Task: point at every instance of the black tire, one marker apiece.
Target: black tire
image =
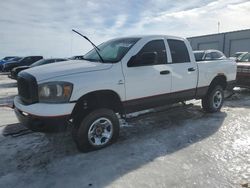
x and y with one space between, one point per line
81 134
210 103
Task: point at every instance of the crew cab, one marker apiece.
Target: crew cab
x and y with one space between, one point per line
119 76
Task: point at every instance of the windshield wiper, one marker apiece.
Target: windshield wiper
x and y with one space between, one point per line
95 47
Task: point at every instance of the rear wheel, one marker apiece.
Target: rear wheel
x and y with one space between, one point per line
97 130
214 99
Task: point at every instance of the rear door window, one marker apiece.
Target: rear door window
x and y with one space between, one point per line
179 51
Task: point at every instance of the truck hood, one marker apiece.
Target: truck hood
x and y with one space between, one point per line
49 71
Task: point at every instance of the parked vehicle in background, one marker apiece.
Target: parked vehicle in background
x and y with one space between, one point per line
14 72
77 57
238 54
208 55
24 61
122 75
243 71
8 59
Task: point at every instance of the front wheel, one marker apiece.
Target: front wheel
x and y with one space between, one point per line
97 130
214 99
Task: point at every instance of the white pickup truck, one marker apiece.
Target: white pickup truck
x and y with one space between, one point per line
120 76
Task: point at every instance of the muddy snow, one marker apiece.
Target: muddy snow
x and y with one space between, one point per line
178 146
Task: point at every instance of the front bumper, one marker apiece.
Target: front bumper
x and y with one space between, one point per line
43 117
42 124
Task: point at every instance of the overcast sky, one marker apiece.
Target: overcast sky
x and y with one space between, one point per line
43 27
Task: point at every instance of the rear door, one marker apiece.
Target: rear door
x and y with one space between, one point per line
183 69
147 79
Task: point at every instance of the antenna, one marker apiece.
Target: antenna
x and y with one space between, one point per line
95 47
218 26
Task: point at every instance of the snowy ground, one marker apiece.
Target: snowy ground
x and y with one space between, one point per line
173 147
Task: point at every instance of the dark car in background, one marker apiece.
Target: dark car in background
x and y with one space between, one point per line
77 57
8 59
22 62
209 55
243 71
238 54
14 72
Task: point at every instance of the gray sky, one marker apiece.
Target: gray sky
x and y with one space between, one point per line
44 27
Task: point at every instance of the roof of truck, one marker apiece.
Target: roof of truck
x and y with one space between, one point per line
153 36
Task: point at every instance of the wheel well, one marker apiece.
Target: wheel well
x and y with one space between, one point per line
97 99
219 80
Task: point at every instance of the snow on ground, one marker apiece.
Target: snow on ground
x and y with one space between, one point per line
169 147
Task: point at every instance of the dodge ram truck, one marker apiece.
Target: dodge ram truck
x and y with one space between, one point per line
118 77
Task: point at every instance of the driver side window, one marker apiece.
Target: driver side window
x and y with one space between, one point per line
152 53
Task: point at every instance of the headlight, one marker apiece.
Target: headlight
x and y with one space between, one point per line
55 92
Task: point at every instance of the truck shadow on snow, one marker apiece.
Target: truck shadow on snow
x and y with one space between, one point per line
142 140
240 99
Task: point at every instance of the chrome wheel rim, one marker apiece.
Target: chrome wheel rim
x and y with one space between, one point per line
100 132
217 99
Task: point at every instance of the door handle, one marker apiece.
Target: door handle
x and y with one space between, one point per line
191 69
120 82
165 72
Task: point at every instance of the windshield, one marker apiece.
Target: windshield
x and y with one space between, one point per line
112 51
244 58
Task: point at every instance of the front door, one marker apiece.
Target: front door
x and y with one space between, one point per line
147 76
